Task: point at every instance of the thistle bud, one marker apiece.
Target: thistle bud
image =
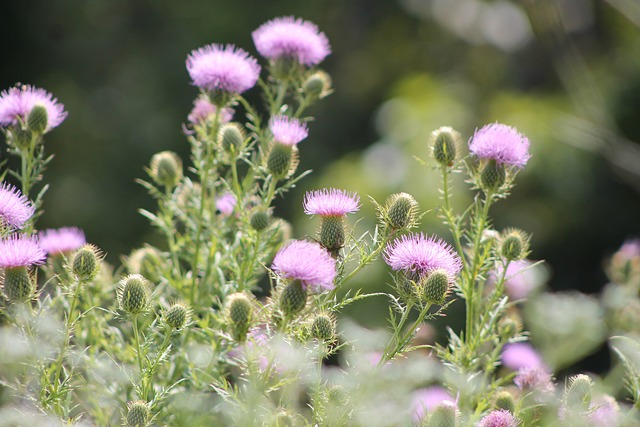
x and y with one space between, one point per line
436 286
283 419
578 394
133 294
281 160
176 316
323 328
240 313
166 168
400 211
506 401
493 176
38 119
444 415
332 233
86 263
407 289
231 135
514 245
317 85
145 261
137 414
21 138
18 284
445 145
260 220
293 299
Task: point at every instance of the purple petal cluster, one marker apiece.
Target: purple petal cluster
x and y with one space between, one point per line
501 143
287 130
20 251
288 37
204 111
426 399
61 240
501 418
521 355
222 68
307 262
604 411
15 208
418 255
330 202
534 379
226 203
18 102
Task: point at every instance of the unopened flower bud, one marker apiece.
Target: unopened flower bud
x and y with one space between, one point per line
134 294
445 145
260 220
138 414
436 286
332 233
281 160
176 316
514 245
578 394
317 85
240 312
400 211
166 168
323 328
37 120
407 289
21 138
145 261
444 415
86 263
492 177
18 284
506 401
231 135
283 419
293 299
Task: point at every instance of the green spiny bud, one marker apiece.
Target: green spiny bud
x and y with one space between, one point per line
166 168
281 161
18 284
444 415
293 299
337 395
240 311
400 211
323 327
21 138
445 145
514 245
260 220
436 286
509 327
505 400
145 261
578 394
283 419
493 176
38 119
138 414
332 233
231 135
407 289
86 262
176 316
134 294
317 85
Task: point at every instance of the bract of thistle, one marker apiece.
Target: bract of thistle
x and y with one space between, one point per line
224 68
417 255
330 202
17 102
20 251
287 130
501 143
288 37
307 262
61 240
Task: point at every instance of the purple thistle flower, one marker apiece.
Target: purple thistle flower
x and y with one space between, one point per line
534 379
330 202
226 203
222 68
426 399
501 143
61 240
418 255
520 279
287 130
501 418
18 102
307 262
20 251
288 37
204 111
604 411
15 208
521 355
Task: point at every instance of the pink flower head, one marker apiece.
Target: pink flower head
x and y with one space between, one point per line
604 411
418 255
15 208
18 102
222 68
501 418
204 111
521 355
287 130
20 251
501 143
535 379
288 37
630 249
307 262
520 279
226 203
330 202
426 399
61 240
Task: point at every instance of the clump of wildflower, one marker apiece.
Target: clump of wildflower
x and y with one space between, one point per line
17 254
287 132
226 203
166 169
534 379
17 103
133 294
204 112
61 240
427 399
224 71
501 418
86 263
446 142
521 355
307 263
15 208
400 211
332 205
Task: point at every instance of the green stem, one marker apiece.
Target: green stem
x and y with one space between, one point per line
152 368
455 229
387 354
136 337
372 256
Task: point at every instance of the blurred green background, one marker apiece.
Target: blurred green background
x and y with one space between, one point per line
564 72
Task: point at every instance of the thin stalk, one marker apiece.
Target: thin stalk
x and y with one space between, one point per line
387 354
367 260
147 387
136 337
